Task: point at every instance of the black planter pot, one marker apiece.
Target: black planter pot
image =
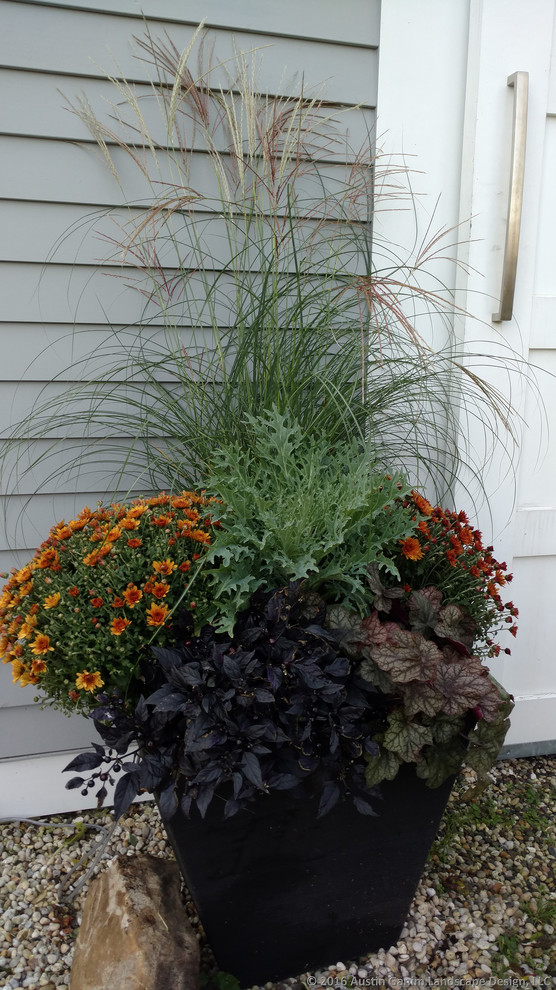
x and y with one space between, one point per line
280 892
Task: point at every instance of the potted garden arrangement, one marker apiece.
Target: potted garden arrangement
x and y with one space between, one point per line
288 646
316 683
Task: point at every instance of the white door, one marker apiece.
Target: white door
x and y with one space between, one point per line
444 98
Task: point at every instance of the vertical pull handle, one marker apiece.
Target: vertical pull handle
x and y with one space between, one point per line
520 83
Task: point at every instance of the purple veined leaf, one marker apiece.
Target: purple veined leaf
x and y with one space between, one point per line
141 713
185 804
101 796
74 782
159 694
371 747
237 779
166 658
208 775
329 797
252 770
364 807
283 781
168 801
312 679
231 807
126 790
204 797
188 675
339 667
231 668
85 761
264 696
171 703
274 677
121 744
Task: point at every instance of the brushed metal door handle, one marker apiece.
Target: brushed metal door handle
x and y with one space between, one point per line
520 83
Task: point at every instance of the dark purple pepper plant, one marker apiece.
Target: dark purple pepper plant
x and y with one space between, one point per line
306 698
278 706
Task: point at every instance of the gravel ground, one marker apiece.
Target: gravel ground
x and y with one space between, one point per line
484 913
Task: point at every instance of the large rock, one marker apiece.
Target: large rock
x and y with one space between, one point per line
135 934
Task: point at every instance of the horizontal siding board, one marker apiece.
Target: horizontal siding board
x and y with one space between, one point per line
39 170
74 42
42 353
88 294
46 468
44 109
346 23
28 521
24 729
37 232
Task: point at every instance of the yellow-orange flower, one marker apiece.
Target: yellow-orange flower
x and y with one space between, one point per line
41 644
132 595
130 523
160 589
200 536
422 504
411 548
23 575
18 668
157 614
38 666
51 601
163 566
136 511
89 681
119 625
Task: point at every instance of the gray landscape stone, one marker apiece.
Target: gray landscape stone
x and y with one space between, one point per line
135 934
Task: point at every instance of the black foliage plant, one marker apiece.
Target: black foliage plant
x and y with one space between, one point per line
278 706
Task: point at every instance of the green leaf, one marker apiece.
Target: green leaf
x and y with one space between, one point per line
461 684
410 658
382 767
439 762
377 677
455 623
421 697
406 738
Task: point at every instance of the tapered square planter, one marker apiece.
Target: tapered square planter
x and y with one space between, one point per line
280 892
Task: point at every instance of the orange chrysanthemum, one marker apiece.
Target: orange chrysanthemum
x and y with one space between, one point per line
73 592
134 542
157 614
38 666
132 595
119 625
89 681
163 566
160 589
51 601
422 504
411 548
41 644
